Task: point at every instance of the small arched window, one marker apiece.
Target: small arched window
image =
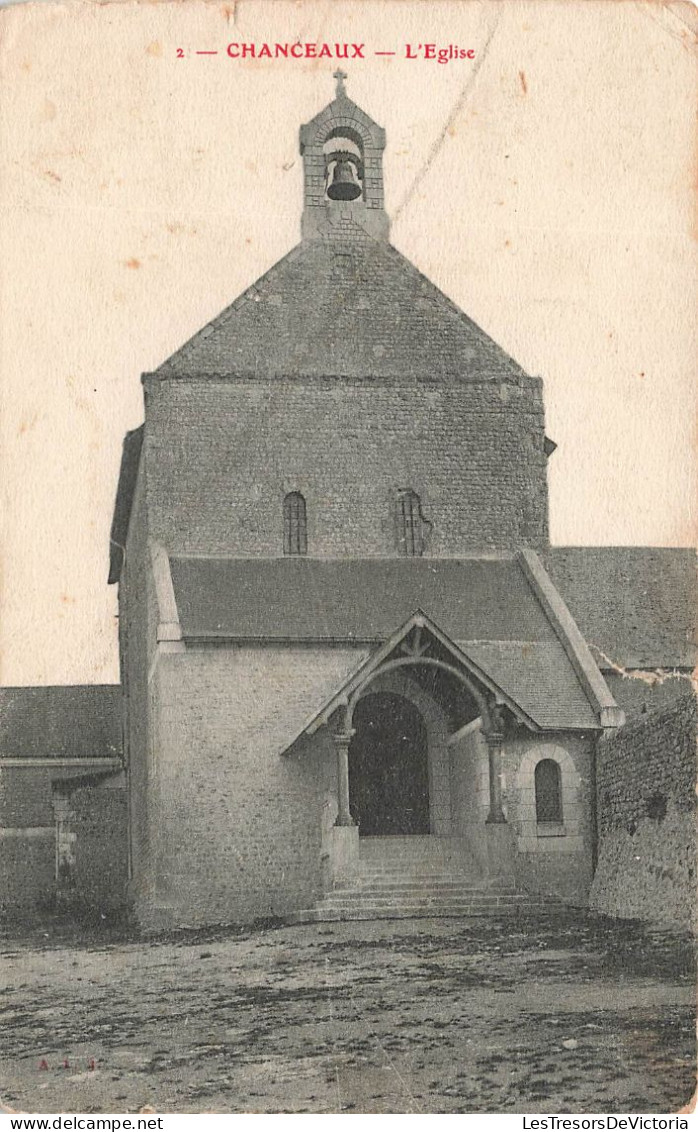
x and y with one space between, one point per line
410 524
295 524
548 783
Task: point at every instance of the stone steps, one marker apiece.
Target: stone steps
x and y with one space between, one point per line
414 896
423 902
363 892
422 875
325 912
401 894
415 877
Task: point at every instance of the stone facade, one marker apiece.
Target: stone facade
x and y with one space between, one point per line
137 644
234 829
646 817
221 456
345 377
554 858
344 380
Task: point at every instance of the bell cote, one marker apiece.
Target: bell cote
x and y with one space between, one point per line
342 151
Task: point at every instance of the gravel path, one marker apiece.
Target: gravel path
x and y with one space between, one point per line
561 1013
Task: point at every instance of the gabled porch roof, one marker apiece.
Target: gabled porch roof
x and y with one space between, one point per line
408 647
420 642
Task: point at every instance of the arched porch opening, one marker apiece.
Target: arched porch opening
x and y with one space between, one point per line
388 767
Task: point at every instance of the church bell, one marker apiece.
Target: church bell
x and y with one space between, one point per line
345 184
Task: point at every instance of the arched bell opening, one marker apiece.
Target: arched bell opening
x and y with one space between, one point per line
389 767
344 166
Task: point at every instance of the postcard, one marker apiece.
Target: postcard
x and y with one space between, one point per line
347 756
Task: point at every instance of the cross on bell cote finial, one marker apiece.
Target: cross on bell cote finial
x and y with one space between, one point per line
340 76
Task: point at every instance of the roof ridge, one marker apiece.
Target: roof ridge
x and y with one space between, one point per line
452 307
470 341
226 314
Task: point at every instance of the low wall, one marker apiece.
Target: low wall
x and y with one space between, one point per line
27 840
646 775
92 845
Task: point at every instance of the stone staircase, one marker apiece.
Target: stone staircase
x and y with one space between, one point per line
415 877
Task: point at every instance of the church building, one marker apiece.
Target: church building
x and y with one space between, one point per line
348 651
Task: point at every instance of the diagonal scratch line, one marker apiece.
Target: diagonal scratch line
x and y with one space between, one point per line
457 107
662 18
376 1037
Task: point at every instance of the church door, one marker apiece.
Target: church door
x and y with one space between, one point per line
388 769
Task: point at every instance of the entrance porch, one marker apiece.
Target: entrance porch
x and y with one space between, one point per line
418 770
412 751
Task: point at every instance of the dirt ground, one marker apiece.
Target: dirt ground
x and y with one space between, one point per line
559 1013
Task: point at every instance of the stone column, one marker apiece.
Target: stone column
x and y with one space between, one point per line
494 750
341 742
501 841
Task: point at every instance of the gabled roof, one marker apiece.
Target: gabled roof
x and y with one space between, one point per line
310 599
636 605
352 308
489 608
61 722
540 677
341 108
477 679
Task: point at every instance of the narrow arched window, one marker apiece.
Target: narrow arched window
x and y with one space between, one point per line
548 792
295 524
410 524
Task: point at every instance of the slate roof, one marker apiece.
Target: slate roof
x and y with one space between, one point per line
365 599
540 677
58 722
128 473
328 288
635 605
485 605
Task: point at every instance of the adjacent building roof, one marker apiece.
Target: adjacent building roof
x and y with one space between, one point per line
408 326
636 606
61 722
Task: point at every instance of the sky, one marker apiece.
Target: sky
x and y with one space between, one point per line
545 186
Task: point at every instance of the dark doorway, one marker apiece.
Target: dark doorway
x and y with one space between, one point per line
388 771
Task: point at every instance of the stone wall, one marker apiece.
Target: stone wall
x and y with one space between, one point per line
27 839
646 775
639 692
222 454
234 826
555 860
92 843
